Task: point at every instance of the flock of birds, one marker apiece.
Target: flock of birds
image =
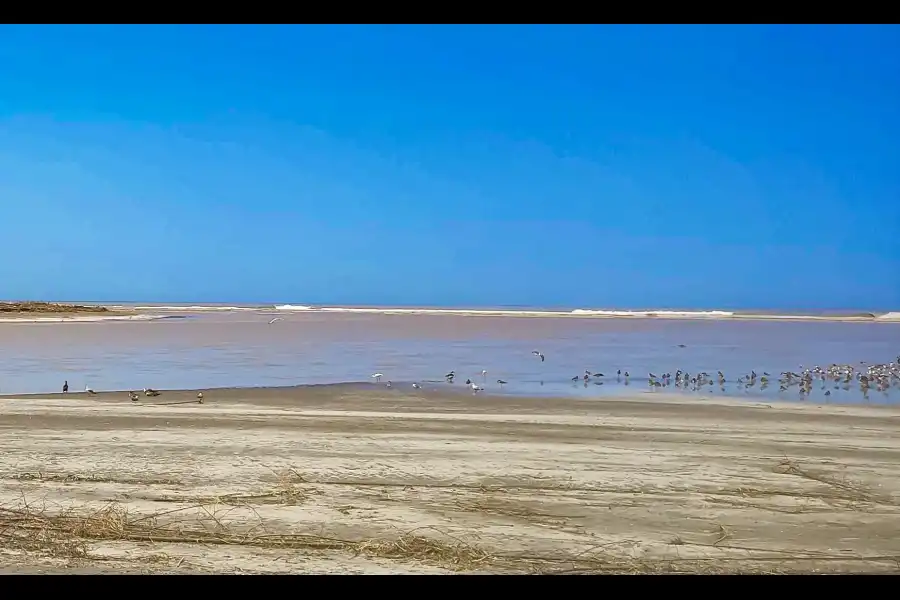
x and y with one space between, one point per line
880 377
133 396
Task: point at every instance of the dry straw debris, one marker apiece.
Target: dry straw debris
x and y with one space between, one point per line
68 533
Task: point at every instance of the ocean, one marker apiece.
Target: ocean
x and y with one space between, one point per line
199 347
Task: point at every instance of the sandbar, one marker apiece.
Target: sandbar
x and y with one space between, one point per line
368 479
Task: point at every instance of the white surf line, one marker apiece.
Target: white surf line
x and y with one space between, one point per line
582 313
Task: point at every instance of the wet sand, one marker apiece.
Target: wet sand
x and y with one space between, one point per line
365 479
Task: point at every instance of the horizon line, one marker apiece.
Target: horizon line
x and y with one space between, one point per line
483 307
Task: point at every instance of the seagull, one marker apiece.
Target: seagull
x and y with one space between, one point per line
501 382
417 386
200 397
150 392
476 388
133 396
483 374
539 354
376 376
275 319
89 391
389 384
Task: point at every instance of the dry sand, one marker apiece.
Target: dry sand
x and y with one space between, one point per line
364 479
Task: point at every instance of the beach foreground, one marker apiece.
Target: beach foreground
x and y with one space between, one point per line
365 479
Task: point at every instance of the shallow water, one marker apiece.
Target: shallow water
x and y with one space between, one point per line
240 348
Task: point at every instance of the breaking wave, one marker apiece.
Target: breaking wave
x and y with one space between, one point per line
495 312
682 314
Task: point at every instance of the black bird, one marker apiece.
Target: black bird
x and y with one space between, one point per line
66 387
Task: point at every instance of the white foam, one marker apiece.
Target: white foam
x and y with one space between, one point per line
442 311
499 312
678 314
294 307
193 308
580 312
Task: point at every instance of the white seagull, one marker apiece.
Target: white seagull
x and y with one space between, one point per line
377 376
275 319
89 390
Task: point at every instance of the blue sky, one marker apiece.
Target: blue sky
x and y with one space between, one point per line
590 166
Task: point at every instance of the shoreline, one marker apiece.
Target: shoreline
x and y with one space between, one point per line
18 311
281 395
661 314
306 395
357 478
160 313
44 312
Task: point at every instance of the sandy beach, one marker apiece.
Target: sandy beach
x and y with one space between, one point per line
365 479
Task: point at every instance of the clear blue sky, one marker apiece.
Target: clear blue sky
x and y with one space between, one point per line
592 166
